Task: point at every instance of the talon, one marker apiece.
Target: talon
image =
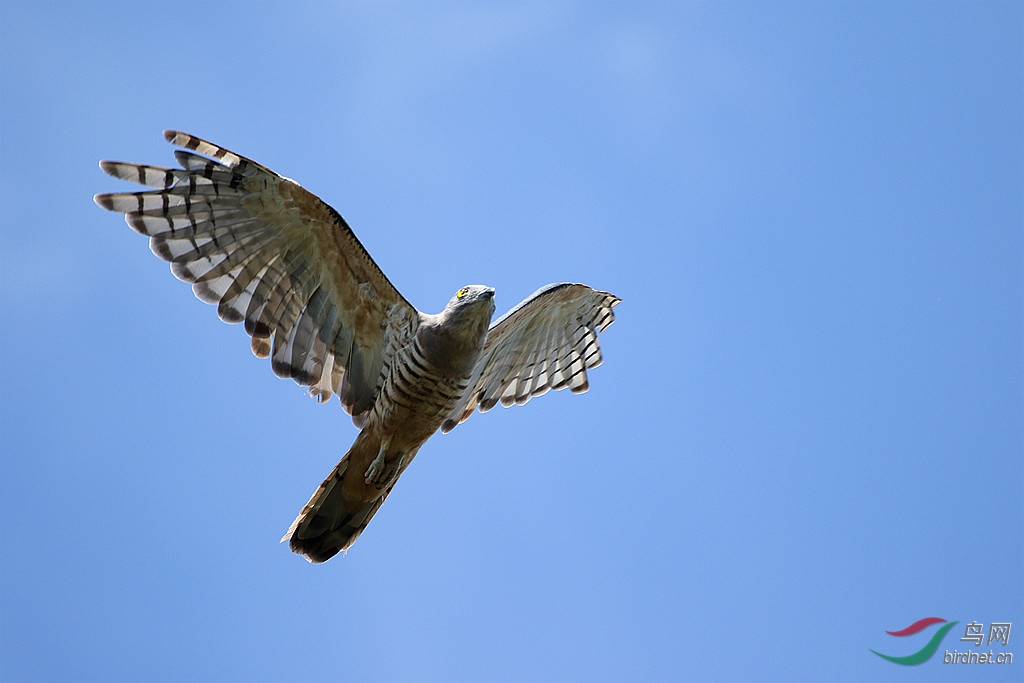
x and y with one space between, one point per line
376 467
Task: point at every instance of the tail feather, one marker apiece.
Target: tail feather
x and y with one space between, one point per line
333 518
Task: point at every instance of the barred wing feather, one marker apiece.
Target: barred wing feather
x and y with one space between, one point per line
275 257
546 342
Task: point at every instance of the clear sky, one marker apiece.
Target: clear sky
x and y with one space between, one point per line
808 429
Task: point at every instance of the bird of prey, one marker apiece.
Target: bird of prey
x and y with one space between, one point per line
276 258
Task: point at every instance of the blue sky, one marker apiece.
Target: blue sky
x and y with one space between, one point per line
808 429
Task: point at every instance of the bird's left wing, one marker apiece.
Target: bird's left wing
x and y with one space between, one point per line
546 342
272 255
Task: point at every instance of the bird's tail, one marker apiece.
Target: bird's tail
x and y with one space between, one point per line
339 509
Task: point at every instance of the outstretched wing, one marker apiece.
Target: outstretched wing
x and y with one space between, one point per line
546 342
274 256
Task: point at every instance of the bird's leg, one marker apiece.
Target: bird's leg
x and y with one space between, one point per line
377 466
391 471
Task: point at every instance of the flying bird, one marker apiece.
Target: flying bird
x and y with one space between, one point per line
275 257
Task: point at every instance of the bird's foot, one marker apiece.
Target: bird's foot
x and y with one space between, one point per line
376 467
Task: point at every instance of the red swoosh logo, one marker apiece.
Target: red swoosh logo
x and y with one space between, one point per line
918 625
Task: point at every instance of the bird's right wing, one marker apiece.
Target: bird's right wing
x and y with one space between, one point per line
546 342
274 256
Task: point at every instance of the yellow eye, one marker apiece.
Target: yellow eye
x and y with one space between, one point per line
462 292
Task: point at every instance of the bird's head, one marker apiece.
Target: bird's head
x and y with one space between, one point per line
470 310
476 297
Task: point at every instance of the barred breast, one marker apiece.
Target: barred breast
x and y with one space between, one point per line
417 395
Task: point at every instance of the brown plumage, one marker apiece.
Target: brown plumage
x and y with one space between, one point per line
275 257
424 381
